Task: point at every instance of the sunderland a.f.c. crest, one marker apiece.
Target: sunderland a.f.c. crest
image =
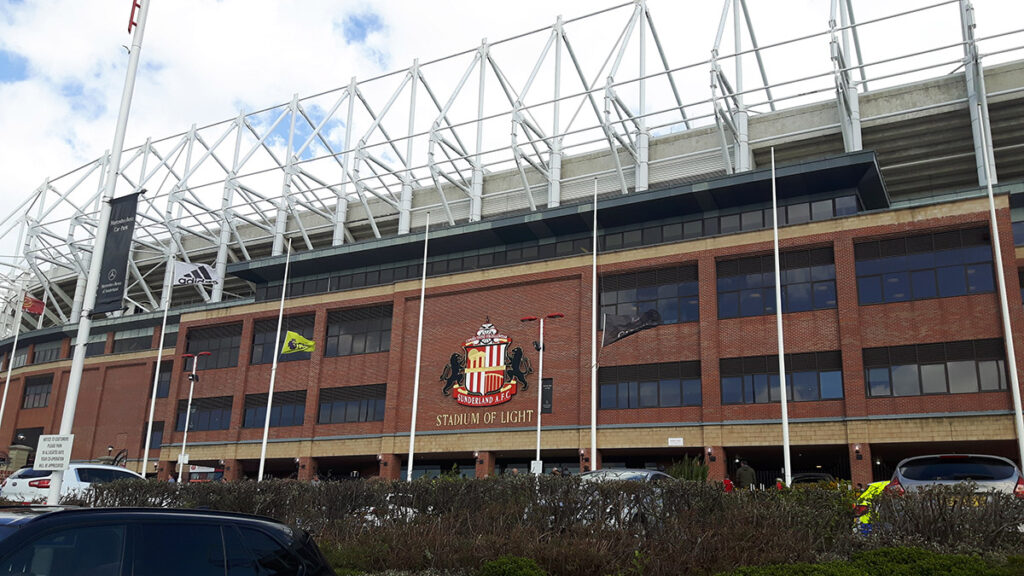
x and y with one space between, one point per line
489 373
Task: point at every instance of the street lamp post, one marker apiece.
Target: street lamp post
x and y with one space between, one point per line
540 379
192 379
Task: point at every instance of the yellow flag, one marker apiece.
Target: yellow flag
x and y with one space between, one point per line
296 343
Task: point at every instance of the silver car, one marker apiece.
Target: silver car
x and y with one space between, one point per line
989 473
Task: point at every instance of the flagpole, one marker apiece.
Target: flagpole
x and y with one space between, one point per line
14 349
593 344
419 352
96 260
778 322
168 286
273 369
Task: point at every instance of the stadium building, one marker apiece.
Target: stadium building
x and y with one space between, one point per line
892 319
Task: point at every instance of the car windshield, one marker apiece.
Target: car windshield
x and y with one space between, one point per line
957 468
100 475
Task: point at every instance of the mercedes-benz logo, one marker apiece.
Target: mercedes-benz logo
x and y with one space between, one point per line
112 275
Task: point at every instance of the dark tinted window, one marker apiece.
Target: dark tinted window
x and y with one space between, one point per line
80 550
272 557
957 468
173 549
100 475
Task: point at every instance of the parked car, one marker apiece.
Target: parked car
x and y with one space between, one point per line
811 478
625 474
989 473
53 541
31 485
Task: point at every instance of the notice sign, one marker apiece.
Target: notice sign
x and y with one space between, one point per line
675 441
54 452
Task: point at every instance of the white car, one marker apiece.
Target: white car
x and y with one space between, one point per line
30 485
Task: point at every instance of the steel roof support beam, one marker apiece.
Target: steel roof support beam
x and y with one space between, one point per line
974 73
281 228
847 96
341 195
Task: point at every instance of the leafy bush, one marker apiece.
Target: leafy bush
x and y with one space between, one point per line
891 562
569 527
689 469
511 566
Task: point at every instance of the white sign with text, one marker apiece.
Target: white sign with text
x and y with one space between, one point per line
54 452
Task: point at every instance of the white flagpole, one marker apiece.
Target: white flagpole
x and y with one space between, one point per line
14 348
778 322
593 345
273 369
169 285
419 352
1011 356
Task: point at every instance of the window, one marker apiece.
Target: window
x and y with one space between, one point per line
163 380
170 337
222 342
37 391
207 414
199 549
746 286
272 558
156 440
101 475
650 386
133 340
810 376
289 409
27 437
358 331
670 291
78 550
46 352
937 265
20 357
263 347
96 345
939 368
352 404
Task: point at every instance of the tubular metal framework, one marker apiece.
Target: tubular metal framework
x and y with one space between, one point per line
470 136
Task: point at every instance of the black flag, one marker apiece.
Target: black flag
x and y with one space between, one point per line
618 327
110 292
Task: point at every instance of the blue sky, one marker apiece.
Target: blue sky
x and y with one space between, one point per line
13 67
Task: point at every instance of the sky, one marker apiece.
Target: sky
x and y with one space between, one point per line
63 62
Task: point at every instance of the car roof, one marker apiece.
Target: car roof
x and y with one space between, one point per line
23 515
76 465
621 473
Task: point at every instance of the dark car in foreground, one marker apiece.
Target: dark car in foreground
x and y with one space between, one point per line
57 541
988 473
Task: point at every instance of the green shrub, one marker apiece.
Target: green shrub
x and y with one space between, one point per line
689 469
511 566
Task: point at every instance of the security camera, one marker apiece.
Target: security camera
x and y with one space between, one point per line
536 346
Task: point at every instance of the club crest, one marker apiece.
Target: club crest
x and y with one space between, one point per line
489 372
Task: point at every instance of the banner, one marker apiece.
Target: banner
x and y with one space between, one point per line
297 343
186 273
546 396
32 305
114 268
618 327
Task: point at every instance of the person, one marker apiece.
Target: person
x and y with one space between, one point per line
745 476
779 485
727 483
556 472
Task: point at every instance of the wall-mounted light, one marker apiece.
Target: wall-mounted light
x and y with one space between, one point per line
856 452
476 454
380 457
711 454
109 450
878 462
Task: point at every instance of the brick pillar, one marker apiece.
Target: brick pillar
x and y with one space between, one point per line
860 464
164 470
390 466
485 464
307 468
587 463
233 470
717 461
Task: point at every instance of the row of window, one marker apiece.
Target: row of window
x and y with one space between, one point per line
336 405
124 341
648 235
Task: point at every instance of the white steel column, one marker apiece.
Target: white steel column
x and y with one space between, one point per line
477 186
977 100
555 157
85 321
740 116
286 190
405 209
341 209
230 185
643 137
